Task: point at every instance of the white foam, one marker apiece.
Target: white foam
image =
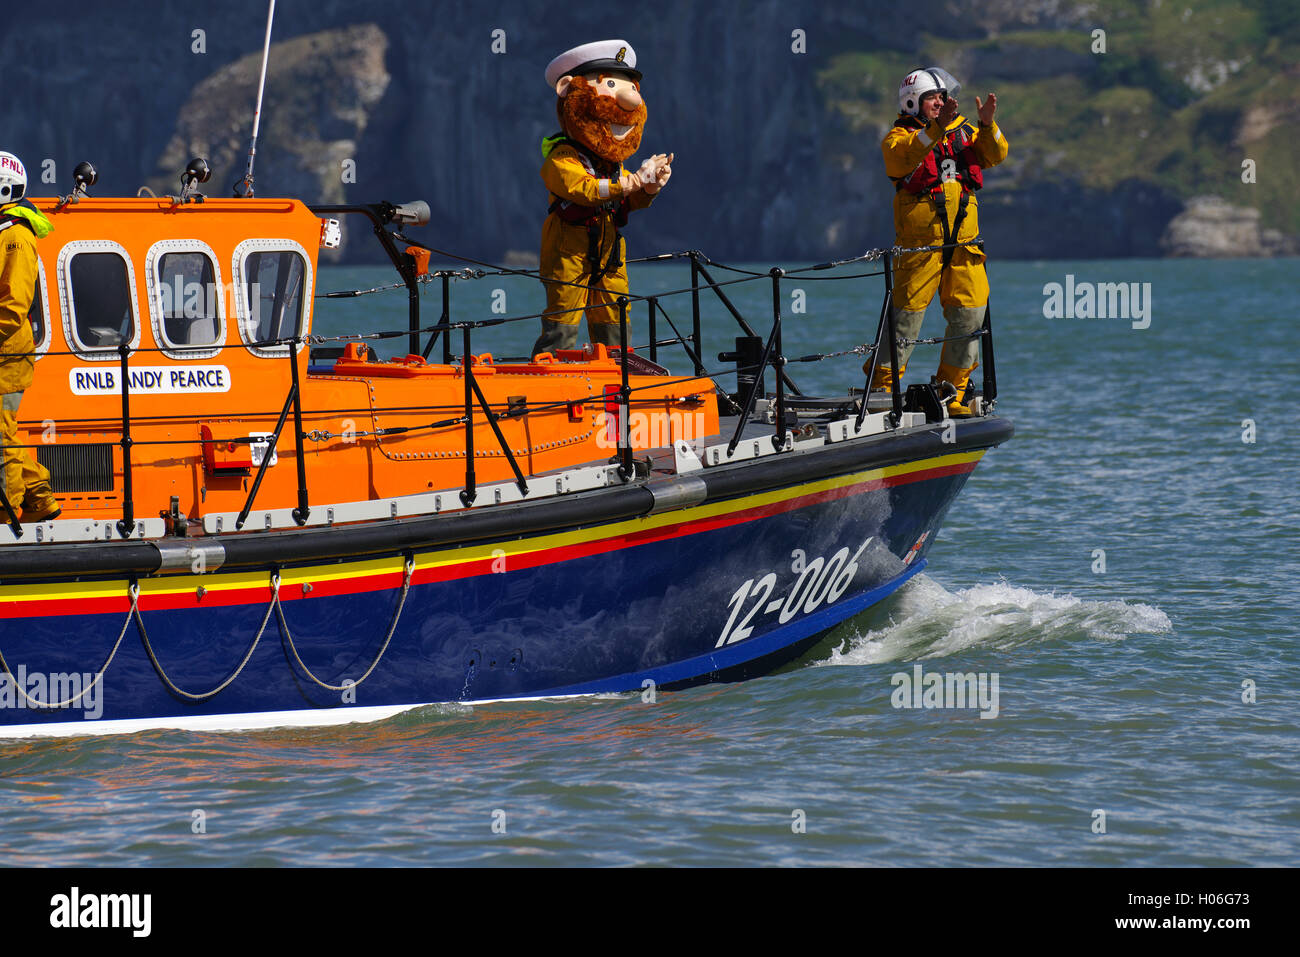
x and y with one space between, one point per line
928 621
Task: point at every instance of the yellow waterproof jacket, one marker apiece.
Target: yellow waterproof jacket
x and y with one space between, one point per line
19 274
570 177
916 220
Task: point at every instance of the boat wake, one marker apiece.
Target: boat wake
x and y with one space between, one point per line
925 620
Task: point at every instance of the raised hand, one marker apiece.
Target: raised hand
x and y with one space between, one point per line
663 170
947 111
987 108
645 173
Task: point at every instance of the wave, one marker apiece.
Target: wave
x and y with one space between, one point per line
925 620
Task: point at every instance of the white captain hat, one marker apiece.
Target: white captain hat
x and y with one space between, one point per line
610 56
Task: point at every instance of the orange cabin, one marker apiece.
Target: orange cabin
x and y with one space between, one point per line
200 292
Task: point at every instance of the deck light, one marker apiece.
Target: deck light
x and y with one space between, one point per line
83 177
195 173
412 214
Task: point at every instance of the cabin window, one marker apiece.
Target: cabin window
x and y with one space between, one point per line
38 313
186 299
98 296
273 286
273 279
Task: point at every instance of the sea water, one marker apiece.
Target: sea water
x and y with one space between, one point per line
1124 573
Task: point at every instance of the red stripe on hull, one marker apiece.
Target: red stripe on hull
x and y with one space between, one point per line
387 581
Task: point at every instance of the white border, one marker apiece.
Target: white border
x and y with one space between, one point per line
151 263
98 353
239 262
209 722
263 720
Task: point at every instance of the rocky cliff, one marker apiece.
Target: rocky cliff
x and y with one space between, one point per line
321 92
775 110
1210 226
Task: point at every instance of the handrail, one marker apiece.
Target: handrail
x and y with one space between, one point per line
888 324
773 340
266 457
470 492
695 312
986 353
444 318
715 286
14 525
625 469
127 525
778 361
303 511
896 395
492 417
382 214
653 303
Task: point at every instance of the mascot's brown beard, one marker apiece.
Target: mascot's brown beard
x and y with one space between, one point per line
585 115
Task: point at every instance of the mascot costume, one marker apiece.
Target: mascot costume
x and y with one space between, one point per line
601 116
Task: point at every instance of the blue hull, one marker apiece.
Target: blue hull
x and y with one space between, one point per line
722 593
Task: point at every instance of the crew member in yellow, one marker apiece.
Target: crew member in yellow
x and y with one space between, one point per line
26 482
602 116
936 159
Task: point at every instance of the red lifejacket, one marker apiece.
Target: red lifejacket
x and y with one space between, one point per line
954 157
588 216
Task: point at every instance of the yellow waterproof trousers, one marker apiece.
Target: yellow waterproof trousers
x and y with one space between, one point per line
27 482
566 257
917 222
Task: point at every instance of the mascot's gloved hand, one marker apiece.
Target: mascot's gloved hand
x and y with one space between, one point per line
630 182
646 174
660 169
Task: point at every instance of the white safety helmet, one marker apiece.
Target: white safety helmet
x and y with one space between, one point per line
13 179
922 81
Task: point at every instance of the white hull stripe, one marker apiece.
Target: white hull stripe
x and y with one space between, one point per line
257 721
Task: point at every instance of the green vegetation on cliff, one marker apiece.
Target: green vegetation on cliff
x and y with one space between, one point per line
1182 94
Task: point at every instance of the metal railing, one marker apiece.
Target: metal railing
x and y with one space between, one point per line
474 399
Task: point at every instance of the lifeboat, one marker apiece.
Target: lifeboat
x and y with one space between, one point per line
264 527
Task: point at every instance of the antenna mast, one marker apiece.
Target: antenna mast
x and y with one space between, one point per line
244 188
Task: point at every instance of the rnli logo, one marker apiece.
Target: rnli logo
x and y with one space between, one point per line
10 163
910 79
915 549
622 53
